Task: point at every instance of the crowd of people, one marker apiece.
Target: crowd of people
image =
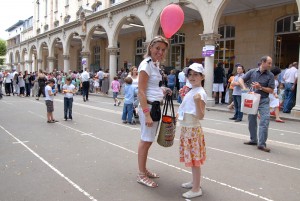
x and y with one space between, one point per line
144 88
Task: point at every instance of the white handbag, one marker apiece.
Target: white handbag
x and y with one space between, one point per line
250 102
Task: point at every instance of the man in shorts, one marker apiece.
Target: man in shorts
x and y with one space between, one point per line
218 85
49 95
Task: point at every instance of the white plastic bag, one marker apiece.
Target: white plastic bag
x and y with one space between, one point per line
250 102
227 96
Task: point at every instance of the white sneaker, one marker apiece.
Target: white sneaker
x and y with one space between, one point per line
191 194
187 185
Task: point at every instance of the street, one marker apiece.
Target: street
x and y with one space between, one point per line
94 157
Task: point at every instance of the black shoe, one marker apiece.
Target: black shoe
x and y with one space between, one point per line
71 118
250 143
233 118
237 120
262 148
84 99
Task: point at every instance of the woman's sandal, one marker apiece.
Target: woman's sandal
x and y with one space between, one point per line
143 179
151 174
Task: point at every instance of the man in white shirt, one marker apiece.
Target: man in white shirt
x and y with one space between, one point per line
290 78
100 76
85 79
8 83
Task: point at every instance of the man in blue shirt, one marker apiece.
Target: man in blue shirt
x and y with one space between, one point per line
262 82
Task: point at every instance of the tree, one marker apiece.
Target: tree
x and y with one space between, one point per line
2 50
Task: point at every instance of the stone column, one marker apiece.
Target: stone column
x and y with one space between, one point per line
40 61
85 57
209 39
113 51
296 110
22 68
51 63
29 64
66 63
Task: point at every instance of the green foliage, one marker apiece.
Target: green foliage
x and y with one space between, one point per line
2 47
1 61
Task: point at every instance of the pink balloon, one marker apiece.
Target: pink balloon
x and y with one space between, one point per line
171 19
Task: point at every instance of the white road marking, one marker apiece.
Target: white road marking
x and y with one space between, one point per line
51 166
169 165
20 142
230 122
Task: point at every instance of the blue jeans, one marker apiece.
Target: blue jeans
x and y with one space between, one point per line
181 84
289 97
237 107
68 104
264 111
127 112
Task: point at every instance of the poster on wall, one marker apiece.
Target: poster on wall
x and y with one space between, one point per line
208 51
84 62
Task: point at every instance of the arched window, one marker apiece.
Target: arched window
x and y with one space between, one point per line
225 47
286 41
177 50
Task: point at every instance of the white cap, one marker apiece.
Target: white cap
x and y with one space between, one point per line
197 68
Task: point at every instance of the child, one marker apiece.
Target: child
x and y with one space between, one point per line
21 85
115 85
129 91
68 90
274 99
49 93
192 144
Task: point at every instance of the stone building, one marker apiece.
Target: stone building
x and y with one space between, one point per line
112 34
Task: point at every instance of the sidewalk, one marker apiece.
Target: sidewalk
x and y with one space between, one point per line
219 107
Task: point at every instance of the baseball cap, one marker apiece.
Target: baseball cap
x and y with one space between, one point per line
197 68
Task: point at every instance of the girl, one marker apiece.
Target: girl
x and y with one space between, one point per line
192 144
115 85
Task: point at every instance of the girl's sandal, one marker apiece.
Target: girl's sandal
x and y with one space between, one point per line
151 174
143 179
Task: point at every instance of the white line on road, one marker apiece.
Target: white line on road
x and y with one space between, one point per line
20 142
51 166
167 164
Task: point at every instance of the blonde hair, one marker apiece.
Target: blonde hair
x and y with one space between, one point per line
156 39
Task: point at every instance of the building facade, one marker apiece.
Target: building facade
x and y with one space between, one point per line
113 34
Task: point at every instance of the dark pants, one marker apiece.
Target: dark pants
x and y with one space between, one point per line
22 89
237 100
85 89
68 104
41 89
289 95
7 88
27 88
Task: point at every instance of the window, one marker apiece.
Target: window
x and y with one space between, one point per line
286 24
38 10
56 6
139 48
46 7
66 2
224 52
112 1
97 55
177 50
97 6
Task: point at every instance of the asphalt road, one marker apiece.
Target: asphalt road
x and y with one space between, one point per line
94 157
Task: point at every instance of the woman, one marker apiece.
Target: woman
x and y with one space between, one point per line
42 83
105 82
134 76
27 78
148 93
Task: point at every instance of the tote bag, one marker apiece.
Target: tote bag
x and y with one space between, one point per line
250 102
166 132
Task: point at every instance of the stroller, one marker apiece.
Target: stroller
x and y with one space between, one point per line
135 110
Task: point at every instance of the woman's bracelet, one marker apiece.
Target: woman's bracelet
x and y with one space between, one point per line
146 110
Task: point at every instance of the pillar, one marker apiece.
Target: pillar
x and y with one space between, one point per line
296 110
51 64
22 68
85 59
40 61
66 63
29 65
209 39
113 51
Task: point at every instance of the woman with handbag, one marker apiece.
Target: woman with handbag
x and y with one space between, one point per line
192 143
150 95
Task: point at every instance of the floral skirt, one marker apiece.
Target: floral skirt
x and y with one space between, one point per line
192 146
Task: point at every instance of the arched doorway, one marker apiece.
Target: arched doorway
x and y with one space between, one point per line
286 41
